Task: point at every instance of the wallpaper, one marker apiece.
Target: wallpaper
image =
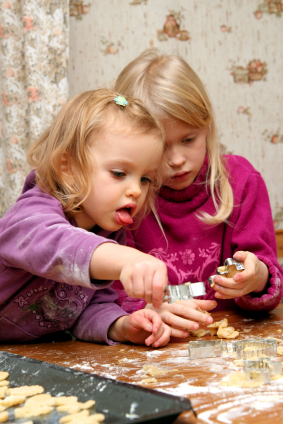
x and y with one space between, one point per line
235 46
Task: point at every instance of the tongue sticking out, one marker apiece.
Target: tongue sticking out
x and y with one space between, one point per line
123 217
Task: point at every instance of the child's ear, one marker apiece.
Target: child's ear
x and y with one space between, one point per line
66 168
64 164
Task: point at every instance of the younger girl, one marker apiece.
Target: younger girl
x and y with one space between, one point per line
96 168
211 207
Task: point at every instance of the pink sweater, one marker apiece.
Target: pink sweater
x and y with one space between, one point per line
196 249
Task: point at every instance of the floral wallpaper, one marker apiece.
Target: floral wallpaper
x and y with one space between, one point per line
234 46
34 39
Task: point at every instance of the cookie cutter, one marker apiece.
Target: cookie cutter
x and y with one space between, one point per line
185 291
229 269
253 349
207 349
262 369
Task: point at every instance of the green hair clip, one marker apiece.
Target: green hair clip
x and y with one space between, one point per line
120 100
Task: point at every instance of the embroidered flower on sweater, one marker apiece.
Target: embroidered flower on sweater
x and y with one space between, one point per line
187 256
21 301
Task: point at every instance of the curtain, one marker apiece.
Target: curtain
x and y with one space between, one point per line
34 82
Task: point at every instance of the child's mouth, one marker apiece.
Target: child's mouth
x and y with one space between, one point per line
180 176
123 216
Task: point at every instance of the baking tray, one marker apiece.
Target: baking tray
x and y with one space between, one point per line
121 403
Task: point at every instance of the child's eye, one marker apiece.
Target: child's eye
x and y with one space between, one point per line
145 180
188 140
118 174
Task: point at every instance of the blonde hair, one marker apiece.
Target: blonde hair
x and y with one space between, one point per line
169 87
67 139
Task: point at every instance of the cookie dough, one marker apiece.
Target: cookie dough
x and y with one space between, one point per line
39 403
43 399
153 370
4 383
25 391
239 379
223 331
72 408
32 411
4 416
12 401
3 391
3 375
79 416
149 380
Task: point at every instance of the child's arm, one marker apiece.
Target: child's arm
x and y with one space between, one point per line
103 321
251 237
184 316
144 326
142 275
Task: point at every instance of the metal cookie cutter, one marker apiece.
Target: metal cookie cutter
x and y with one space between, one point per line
254 348
207 349
185 291
229 269
262 369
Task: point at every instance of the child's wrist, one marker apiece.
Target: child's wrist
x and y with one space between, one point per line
264 278
117 330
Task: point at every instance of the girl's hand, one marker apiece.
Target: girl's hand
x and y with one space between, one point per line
253 279
142 275
144 326
145 277
184 316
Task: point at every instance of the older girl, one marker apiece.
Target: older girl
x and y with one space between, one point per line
211 206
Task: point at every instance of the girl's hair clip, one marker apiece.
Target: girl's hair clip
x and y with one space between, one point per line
120 100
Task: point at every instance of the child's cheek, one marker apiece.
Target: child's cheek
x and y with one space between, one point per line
165 172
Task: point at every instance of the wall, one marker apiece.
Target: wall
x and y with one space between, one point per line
234 45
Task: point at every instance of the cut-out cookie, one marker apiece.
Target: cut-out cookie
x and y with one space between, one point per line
25 391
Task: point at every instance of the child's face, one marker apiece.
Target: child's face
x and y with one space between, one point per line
185 149
125 165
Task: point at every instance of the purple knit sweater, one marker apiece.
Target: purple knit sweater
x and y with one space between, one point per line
196 249
45 284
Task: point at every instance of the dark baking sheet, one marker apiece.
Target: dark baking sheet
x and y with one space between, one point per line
114 398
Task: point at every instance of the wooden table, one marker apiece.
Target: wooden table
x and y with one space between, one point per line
198 379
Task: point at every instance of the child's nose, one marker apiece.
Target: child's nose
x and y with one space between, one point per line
134 190
175 157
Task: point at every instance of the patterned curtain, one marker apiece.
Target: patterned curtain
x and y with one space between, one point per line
34 82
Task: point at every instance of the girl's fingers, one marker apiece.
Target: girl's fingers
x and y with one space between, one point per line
155 320
153 337
241 255
140 322
176 321
138 286
181 310
158 285
164 338
206 305
148 287
229 283
180 334
225 293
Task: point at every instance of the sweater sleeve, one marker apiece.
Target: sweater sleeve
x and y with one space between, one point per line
93 324
129 304
254 232
36 236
